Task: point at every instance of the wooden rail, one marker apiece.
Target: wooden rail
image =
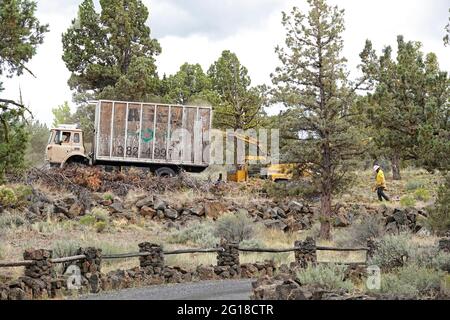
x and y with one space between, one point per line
270 250
341 249
68 259
24 263
7 264
125 255
183 251
267 250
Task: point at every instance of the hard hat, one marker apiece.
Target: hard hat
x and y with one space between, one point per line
376 167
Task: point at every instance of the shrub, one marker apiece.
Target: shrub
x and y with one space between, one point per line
111 248
100 226
414 185
98 218
23 193
439 215
428 257
422 194
393 251
108 196
423 256
49 226
252 243
201 234
441 261
235 227
65 248
100 214
88 220
326 276
7 196
412 281
407 201
370 226
11 220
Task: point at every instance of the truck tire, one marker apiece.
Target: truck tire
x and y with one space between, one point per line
75 161
165 172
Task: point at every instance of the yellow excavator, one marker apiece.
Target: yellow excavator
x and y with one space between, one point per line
274 172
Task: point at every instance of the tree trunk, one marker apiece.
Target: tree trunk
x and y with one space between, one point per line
325 199
395 161
325 212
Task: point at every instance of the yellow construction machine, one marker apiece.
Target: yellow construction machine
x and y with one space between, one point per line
274 172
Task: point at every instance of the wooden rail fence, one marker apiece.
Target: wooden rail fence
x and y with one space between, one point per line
41 279
301 249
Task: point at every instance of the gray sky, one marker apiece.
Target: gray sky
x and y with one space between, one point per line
197 31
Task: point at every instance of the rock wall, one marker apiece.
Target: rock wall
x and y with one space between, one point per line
286 216
284 286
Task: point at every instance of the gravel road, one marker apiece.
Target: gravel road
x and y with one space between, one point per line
206 290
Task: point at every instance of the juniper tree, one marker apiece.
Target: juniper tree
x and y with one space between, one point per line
447 32
20 34
35 151
312 82
111 51
240 105
190 84
409 107
61 114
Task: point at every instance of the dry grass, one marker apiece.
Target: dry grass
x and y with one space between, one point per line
124 237
361 190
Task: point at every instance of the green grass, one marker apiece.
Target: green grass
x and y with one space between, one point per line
422 194
407 201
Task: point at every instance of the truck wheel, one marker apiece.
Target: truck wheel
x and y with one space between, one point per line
165 172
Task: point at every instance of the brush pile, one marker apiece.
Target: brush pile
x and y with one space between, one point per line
79 179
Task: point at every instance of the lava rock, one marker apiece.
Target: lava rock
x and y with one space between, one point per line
147 212
171 213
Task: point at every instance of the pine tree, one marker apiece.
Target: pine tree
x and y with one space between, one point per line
312 83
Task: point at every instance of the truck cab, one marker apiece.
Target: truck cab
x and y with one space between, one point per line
65 145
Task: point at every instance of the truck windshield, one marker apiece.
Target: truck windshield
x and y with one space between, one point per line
56 137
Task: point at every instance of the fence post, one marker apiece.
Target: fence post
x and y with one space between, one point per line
91 267
154 262
444 245
229 257
305 252
41 272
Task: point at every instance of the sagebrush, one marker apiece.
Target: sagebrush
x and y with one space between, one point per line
326 276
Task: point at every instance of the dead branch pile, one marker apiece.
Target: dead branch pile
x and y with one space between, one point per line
84 180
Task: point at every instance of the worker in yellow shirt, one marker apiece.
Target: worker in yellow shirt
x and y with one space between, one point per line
380 184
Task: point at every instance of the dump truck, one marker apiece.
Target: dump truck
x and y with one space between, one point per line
161 137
